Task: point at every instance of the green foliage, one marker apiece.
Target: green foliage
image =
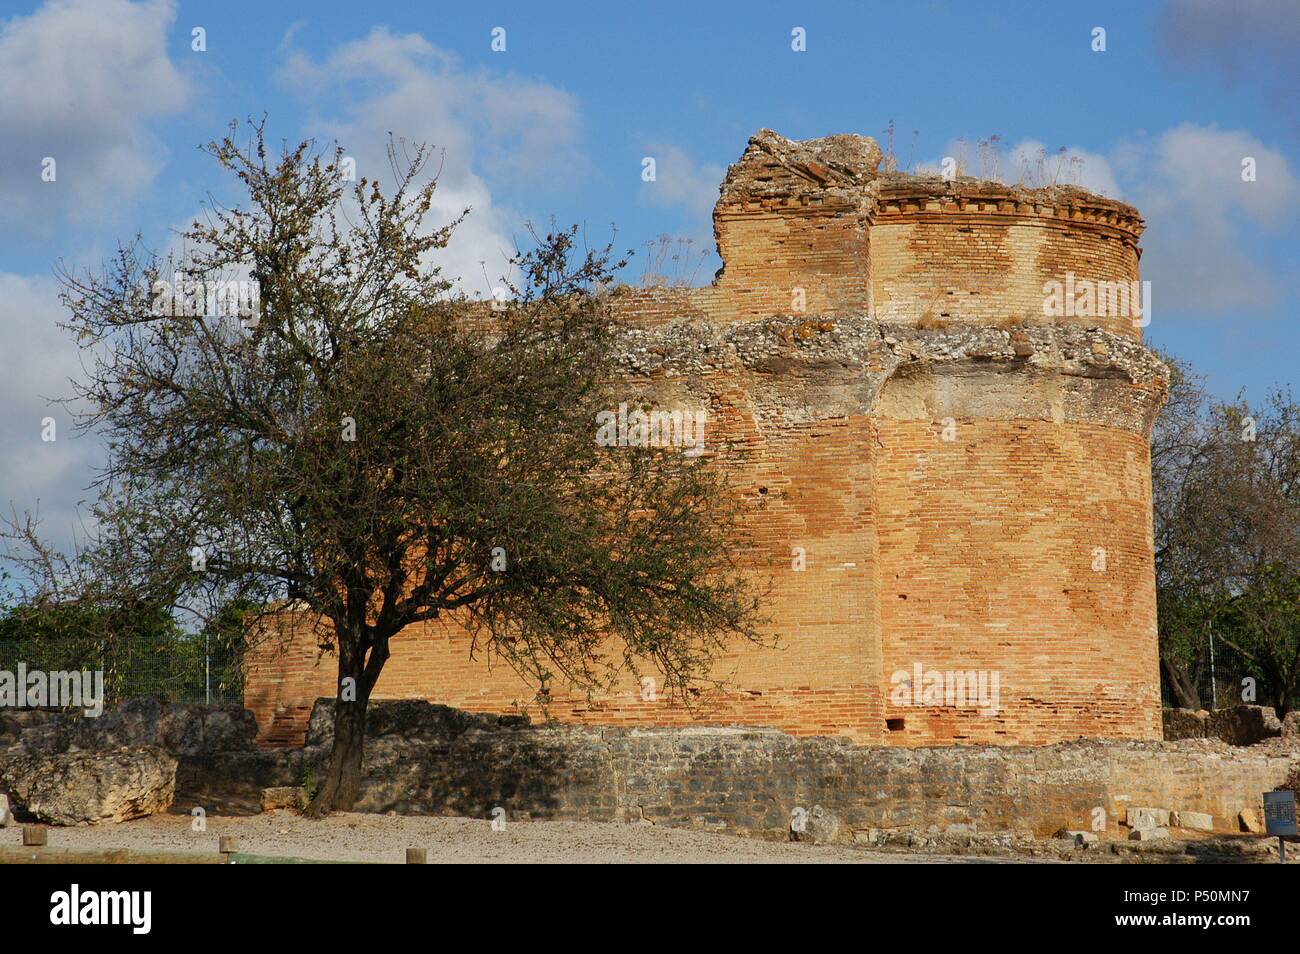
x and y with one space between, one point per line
1226 489
1260 625
142 652
310 783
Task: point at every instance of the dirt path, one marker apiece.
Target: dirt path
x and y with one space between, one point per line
356 837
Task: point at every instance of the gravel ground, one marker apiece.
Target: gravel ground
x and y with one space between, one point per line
357 837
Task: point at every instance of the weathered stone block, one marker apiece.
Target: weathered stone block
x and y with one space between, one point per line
176 728
817 827
75 788
1185 724
1291 725
1144 818
1197 820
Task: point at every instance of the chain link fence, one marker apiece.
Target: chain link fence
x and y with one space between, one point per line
174 669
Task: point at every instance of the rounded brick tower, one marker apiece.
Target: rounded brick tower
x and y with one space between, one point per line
935 395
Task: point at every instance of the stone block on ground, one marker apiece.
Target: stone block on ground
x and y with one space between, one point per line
819 827
75 788
1139 818
177 728
1199 821
1148 834
1185 724
1291 725
1251 821
231 783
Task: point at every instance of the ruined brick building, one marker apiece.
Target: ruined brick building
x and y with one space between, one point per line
954 480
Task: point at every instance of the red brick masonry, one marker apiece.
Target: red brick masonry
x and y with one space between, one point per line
965 481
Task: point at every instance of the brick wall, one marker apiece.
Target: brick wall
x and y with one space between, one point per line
970 555
812 489
989 543
976 252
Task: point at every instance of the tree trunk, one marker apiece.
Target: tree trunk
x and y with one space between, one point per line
342 782
1181 685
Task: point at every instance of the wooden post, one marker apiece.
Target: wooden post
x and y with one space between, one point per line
227 845
35 836
417 856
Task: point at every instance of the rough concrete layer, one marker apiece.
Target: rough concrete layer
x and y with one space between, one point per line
843 363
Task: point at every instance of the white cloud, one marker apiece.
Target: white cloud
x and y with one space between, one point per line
81 80
1202 166
1188 185
485 127
38 359
1031 162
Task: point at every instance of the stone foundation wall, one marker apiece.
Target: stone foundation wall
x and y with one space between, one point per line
750 781
427 759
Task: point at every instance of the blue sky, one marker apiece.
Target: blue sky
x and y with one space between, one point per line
558 123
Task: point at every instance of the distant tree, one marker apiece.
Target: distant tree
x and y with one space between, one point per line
125 642
1247 531
76 623
368 451
1177 441
1226 482
1261 625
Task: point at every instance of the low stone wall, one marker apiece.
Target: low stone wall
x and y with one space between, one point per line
1236 725
752 781
429 759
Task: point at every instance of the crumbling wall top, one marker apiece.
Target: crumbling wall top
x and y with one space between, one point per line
773 165
847 166
899 192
